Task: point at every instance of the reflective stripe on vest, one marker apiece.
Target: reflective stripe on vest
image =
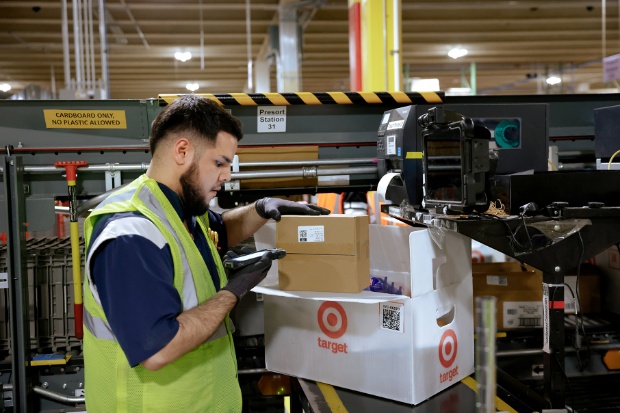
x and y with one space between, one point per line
190 299
99 327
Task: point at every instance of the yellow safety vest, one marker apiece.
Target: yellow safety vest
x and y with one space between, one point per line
203 380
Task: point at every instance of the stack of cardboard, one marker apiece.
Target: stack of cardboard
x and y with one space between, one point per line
324 253
519 292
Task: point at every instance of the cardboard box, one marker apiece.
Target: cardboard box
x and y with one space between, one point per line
589 291
518 289
608 263
324 253
589 294
273 154
398 347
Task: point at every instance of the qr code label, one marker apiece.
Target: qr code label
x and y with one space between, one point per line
392 316
314 233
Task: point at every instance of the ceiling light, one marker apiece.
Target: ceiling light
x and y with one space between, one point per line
5 87
183 56
424 85
457 52
553 80
192 87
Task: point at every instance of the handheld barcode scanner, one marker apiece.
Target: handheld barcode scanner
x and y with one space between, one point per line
247 259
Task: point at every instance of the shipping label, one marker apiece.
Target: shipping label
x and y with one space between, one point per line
522 314
546 331
497 280
392 316
311 233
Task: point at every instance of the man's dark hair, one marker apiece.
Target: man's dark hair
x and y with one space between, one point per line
200 117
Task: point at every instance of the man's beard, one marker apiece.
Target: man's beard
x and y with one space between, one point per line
193 199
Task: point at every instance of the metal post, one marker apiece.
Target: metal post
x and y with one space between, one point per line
248 33
53 81
65 44
85 49
396 45
289 66
91 46
77 41
18 283
473 78
386 76
553 337
485 353
263 81
103 42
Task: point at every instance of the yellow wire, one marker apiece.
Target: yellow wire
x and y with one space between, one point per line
555 168
612 158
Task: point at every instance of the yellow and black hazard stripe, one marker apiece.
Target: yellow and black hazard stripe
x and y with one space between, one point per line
500 404
336 405
320 98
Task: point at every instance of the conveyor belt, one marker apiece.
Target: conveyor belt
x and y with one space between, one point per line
594 394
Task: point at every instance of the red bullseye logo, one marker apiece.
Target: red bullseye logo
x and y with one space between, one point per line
332 319
448 347
477 256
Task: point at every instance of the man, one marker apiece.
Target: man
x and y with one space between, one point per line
157 334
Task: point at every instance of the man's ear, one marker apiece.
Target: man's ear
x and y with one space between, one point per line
183 151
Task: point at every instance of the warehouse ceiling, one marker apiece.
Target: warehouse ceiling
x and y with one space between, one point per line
512 45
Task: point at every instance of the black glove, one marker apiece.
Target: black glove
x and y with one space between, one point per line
276 207
243 279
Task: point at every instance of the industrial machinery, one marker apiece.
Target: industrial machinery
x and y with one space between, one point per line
457 162
520 133
550 220
336 142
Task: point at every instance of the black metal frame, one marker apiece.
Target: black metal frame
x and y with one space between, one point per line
554 260
18 285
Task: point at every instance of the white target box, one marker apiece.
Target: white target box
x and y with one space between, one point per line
404 348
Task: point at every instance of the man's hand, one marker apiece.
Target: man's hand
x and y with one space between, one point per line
276 207
242 280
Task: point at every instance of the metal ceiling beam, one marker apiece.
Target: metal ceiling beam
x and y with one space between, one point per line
270 6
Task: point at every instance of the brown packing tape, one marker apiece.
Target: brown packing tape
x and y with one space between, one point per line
334 248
